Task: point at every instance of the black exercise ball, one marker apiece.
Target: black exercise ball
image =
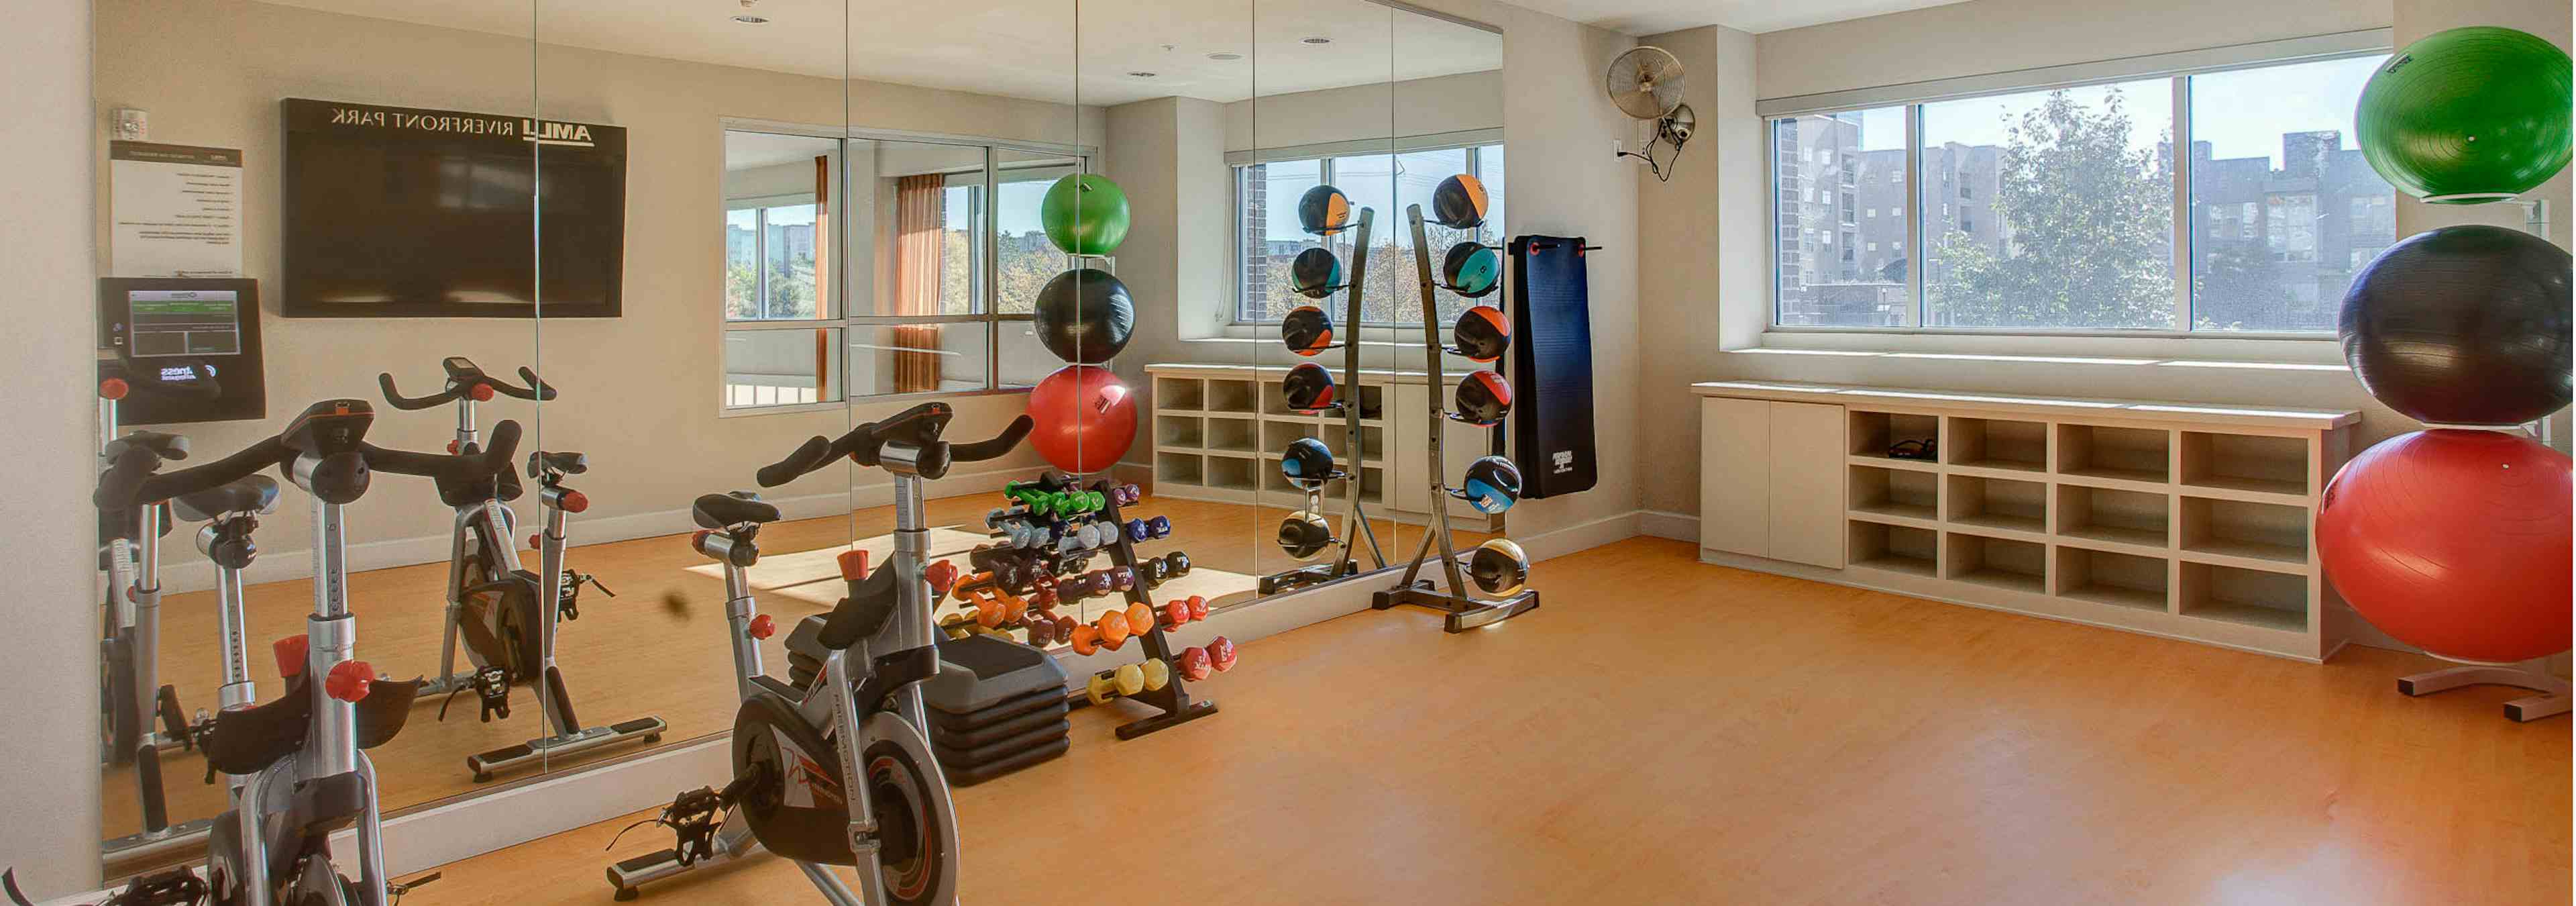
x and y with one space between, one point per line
1308 387
1315 273
1307 330
1492 484
2463 325
1498 567
1304 534
1084 316
1459 202
1324 211
1483 398
1307 463
1482 333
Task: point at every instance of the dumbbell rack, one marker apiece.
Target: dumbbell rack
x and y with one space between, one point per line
1463 612
1173 700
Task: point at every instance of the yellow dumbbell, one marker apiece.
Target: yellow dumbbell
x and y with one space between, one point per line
1128 679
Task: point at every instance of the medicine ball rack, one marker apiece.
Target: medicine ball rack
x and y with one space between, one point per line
1463 611
1354 515
1173 700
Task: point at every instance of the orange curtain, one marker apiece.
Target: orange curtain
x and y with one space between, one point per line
920 235
822 274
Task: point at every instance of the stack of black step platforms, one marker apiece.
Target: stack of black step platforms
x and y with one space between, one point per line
996 706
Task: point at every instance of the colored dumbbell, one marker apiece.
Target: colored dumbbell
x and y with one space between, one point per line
1140 619
1178 612
994 607
1126 494
1045 630
1128 679
942 576
1149 529
1221 653
1093 636
1165 568
1197 662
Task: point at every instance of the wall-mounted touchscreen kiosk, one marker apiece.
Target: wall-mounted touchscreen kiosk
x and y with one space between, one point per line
169 338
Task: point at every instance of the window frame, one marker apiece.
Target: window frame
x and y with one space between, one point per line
2176 68
984 277
1236 302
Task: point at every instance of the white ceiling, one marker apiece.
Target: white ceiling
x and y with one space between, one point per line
1647 17
1014 48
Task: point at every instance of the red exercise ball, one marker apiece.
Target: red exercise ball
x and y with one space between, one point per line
1086 418
2456 542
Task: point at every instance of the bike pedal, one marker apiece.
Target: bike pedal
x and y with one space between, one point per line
492 685
174 722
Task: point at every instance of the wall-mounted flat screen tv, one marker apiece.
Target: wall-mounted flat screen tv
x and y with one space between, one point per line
401 212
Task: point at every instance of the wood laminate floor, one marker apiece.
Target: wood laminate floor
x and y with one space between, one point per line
1663 731
659 648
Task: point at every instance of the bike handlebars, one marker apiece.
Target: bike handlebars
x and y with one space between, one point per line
917 428
464 379
130 480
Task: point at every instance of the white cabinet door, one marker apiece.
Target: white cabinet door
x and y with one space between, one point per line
1735 475
1807 474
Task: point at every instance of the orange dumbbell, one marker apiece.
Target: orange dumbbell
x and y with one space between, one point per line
1140 619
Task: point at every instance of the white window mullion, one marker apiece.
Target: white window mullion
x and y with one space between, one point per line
2182 214
1914 215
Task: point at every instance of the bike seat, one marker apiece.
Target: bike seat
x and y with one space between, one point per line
166 446
715 511
566 463
870 604
254 494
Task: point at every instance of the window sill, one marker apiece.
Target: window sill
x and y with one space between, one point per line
2299 352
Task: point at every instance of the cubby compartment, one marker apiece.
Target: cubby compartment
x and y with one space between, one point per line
2122 517
1990 443
2248 597
2120 580
2245 462
1187 431
1373 483
1372 399
1895 548
2127 454
1234 474
2253 531
1895 492
1997 562
1179 469
1233 395
1276 436
1179 394
1234 435
1998 503
1874 433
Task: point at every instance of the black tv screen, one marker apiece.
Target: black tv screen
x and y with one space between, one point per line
406 212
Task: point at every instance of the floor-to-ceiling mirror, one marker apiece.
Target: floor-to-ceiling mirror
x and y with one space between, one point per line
283 221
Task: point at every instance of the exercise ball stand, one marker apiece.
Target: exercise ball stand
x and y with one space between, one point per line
2551 702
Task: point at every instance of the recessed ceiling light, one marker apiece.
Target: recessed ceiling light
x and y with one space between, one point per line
1225 56
748 19
1141 74
1318 39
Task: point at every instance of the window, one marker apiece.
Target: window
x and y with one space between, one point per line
2065 206
925 286
1269 238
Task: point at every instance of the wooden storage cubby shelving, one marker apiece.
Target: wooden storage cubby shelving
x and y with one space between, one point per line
2109 516
1993 443
1218 432
1895 548
1998 503
1896 493
2178 519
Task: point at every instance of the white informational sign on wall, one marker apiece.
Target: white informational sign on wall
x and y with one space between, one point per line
177 210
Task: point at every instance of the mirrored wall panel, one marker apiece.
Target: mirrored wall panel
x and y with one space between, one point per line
317 226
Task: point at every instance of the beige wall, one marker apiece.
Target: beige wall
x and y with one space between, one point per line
46 549
640 392
1451 103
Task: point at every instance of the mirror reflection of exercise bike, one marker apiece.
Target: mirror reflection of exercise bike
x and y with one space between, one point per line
300 770
498 612
836 771
139 717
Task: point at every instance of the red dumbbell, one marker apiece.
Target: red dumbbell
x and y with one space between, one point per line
1221 653
1192 663
1042 632
1174 614
1198 607
942 576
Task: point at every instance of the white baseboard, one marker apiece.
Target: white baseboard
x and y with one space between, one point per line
193 573
1668 524
1581 536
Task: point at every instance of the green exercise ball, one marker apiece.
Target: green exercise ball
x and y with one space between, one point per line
1084 214
2468 116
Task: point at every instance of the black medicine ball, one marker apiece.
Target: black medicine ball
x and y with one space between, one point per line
1307 463
1308 387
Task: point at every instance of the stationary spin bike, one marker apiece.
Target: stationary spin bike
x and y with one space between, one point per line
501 615
303 772
140 718
837 772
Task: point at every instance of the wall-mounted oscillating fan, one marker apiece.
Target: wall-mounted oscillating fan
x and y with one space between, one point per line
1646 83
